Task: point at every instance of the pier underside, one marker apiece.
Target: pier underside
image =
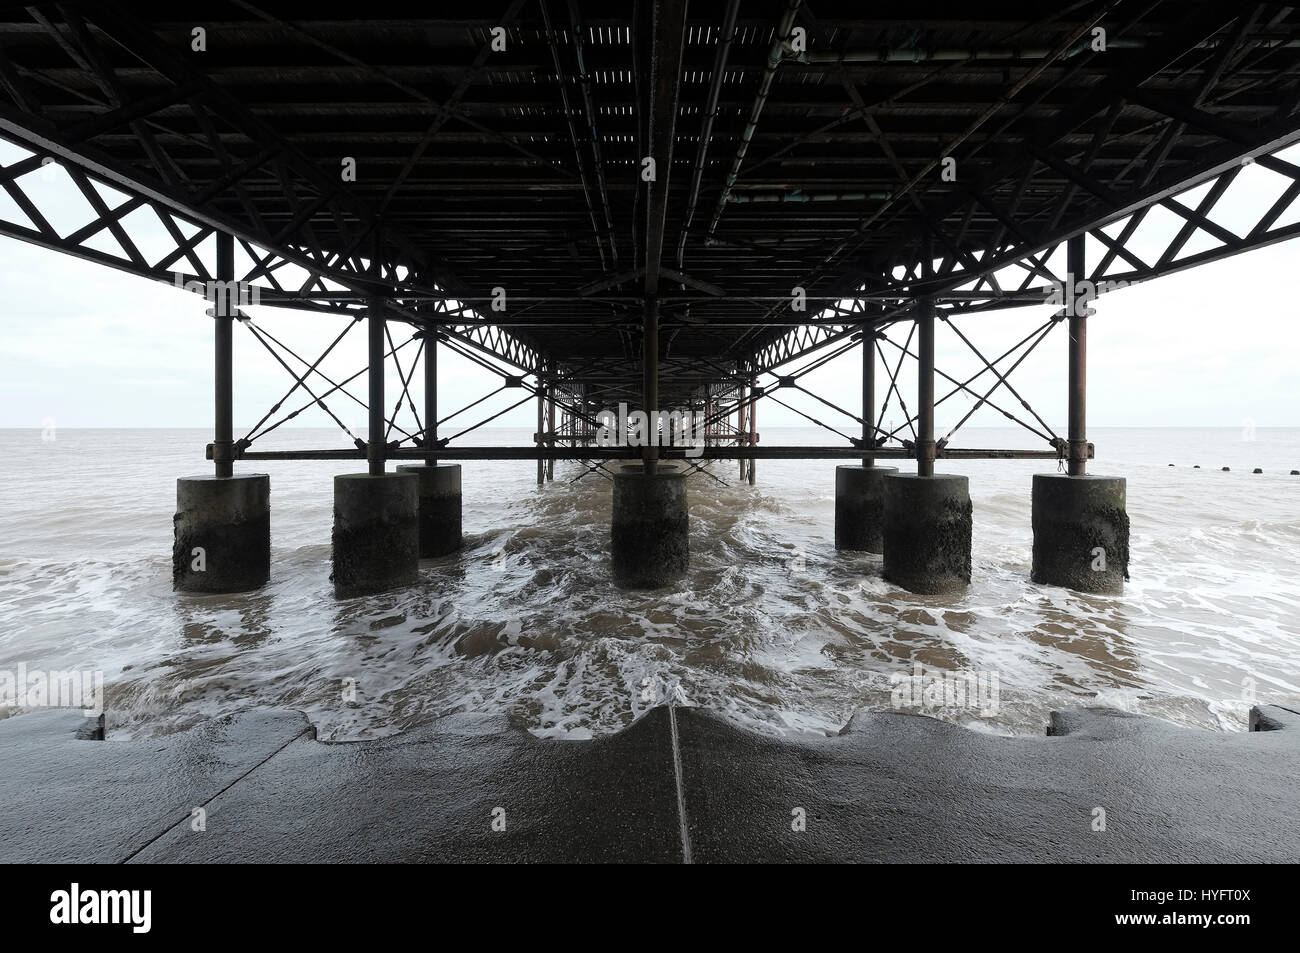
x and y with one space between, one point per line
681 208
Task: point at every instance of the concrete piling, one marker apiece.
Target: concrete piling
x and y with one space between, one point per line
1080 521
927 532
376 532
222 527
222 533
860 508
1081 532
438 489
927 516
650 526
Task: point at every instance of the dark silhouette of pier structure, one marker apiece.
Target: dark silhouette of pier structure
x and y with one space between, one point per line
678 206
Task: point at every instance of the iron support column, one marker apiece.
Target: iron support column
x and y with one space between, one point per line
550 424
708 414
222 527
740 428
225 302
868 395
375 449
925 447
650 382
538 438
1078 318
431 393
753 426
437 484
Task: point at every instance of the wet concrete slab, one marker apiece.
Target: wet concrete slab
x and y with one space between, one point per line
679 784
65 800
901 788
465 789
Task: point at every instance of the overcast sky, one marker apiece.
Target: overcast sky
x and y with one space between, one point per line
87 346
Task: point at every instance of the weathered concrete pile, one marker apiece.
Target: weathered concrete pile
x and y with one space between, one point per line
922 526
679 784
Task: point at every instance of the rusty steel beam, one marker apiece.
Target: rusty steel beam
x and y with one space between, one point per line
741 452
223 321
925 445
1078 374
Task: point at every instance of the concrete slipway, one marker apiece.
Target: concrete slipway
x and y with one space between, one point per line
679 784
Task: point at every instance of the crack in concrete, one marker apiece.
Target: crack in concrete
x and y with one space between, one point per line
308 730
681 793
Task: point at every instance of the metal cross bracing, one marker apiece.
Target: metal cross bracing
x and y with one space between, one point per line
901 169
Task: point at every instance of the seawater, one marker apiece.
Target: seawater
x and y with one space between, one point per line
772 627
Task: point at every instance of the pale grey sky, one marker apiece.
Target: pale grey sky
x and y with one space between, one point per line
87 346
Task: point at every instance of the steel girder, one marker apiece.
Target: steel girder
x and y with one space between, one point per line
1028 189
184 204
1036 194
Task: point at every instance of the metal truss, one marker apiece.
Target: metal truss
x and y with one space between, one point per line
151 141
1066 180
361 258
965 283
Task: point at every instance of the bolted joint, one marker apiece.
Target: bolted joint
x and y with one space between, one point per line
926 450
513 381
1077 465
221 451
